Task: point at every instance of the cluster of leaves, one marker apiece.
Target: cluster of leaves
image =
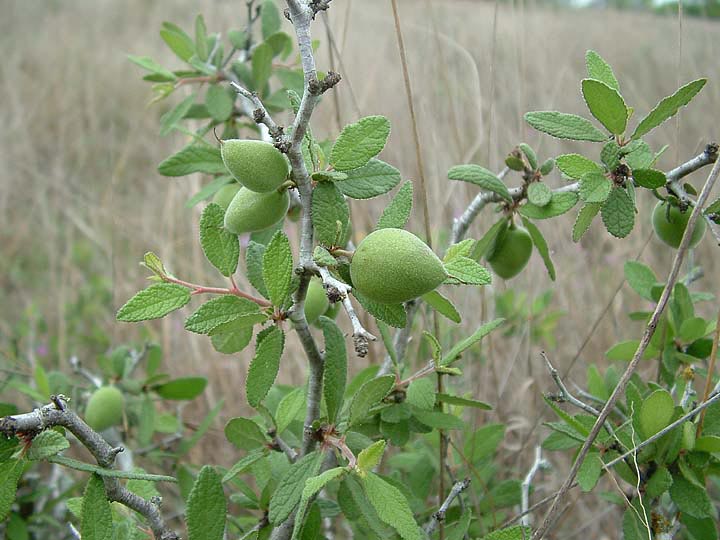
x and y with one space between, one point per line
671 472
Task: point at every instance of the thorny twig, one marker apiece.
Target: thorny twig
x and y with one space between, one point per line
439 516
539 464
57 413
552 513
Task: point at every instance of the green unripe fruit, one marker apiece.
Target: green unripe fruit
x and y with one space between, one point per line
250 211
224 196
391 266
670 226
512 252
105 408
316 301
257 165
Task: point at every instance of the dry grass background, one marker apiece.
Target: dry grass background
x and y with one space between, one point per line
79 149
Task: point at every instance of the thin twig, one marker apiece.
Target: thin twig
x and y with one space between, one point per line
539 464
552 513
439 516
57 413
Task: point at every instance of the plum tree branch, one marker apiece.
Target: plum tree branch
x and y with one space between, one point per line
439 516
552 513
539 464
57 413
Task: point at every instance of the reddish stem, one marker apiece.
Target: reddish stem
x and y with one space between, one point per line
200 289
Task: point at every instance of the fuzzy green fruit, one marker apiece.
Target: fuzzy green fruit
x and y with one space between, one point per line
224 196
671 230
316 301
512 252
257 165
393 266
105 408
250 211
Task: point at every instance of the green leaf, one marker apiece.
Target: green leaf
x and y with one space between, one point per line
392 314
488 240
213 315
290 488
10 472
391 506
201 44
576 165
656 412
618 213
206 507
46 444
610 155
480 176
640 155
243 464
516 532
154 302
149 64
668 107
370 180
254 262
584 220
547 166
184 388
659 483
589 472
330 213
541 245
370 457
178 41
539 194
530 155
464 402
170 119
323 258
290 407
707 443
265 365
565 126
625 350
233 340
693 329
649 178
369 394
606 104
219 103
221 247
421 394
691 499
187 444
460 347
560 203
335 373
599 69
278 268
640 278
270 21
359 142
96 523
442 305
192 159
208 190
595 187
261 61
397 213
109 473
467 271
313 486
245 434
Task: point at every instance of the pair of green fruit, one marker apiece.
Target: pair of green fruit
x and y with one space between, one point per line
257 202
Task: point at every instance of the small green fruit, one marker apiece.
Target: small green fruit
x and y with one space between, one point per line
105 408
670 226
512 252
250 211
316 301
392 266
225 195
257 165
